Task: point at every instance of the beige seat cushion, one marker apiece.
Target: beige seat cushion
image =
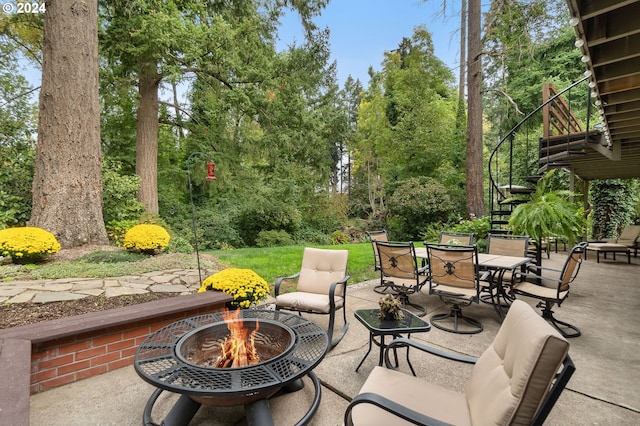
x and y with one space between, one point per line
512 376
308 301
412 392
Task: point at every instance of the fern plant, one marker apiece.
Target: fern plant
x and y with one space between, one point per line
547 213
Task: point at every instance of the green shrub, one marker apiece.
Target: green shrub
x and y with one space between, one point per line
273 238
27 244
306 235
416 203
116 230
264 215
119 201
339 237
179 244
146 238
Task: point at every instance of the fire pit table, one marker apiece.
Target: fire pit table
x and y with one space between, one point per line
177 358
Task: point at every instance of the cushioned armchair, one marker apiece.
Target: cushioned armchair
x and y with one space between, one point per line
630 237
551 287
321 288
516 381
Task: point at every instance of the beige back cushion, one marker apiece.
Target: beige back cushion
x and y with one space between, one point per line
630 232
320 268
510 379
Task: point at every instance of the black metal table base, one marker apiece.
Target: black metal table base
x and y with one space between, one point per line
258 412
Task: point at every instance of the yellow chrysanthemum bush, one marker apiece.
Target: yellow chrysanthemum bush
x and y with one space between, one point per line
27 244
244 285
146 238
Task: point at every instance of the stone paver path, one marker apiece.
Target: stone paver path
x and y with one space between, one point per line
183 281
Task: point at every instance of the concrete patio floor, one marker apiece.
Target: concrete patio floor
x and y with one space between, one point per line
605 390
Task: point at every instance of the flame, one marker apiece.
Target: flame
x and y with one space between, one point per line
238 350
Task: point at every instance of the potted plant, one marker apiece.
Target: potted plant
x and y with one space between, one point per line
547 213
390 308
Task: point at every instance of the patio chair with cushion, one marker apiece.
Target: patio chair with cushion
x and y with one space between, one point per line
630 237
321 288
399 270
551 287
454 277
516 381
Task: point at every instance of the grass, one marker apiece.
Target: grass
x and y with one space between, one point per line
273 262
269 263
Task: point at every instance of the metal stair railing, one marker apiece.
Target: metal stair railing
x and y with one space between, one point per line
499 191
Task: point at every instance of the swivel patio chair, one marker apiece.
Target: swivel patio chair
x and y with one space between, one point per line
321 288
456 238
454 278
400 272
503 245
551 287
374 237
516 381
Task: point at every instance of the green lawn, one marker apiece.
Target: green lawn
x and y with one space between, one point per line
273 262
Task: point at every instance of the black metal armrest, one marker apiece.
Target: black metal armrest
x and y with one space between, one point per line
525 275
332 288
276 286
392 407
403 342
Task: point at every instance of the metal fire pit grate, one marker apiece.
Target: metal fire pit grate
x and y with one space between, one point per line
157 362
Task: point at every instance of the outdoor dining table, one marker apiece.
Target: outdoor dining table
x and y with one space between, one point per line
498 265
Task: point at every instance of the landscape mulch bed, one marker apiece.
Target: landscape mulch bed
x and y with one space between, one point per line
18 314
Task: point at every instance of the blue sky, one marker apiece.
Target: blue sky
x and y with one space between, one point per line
362 30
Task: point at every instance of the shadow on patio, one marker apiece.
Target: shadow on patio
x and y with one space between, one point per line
603 303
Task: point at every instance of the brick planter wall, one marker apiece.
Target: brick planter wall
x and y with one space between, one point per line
66 350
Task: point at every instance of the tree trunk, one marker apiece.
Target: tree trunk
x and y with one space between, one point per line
475 185
147 135
67 185
463 50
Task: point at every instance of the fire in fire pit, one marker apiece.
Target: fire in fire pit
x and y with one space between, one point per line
235 343
185 358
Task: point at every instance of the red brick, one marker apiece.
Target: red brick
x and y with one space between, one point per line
58 381
136 333
129 352
107 339
70 368
91 353
74 347
105 359
54 362
40 354
90 372
123 344
44 375
122 362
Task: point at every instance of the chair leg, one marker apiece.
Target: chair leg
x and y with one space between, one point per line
456 314
561 326
333 342
404 299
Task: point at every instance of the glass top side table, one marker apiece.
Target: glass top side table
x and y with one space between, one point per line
396 328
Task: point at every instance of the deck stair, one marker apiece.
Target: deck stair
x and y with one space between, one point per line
564 137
